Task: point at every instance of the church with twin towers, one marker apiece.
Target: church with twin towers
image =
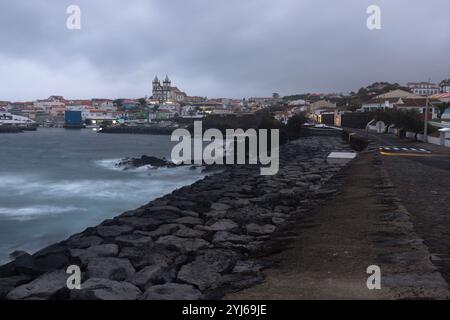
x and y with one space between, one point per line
164 91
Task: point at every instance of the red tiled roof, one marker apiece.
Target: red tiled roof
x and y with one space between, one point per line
129 101
80 102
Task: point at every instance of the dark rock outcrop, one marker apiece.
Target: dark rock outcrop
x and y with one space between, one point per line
129 163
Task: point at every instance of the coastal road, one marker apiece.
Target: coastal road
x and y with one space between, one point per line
421 173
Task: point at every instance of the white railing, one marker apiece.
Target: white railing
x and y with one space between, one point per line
432 140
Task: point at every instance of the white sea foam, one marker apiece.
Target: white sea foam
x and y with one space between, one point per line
34 212
58 191
110 164
143 183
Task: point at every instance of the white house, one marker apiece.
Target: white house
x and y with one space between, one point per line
445 86
190 112
103 104
387 100
48 105
423 88
400 100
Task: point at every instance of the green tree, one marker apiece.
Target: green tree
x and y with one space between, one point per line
295 124
442 107
363 94
118 103
408 120
142 102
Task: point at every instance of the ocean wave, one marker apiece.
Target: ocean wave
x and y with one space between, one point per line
34 212
141 185
110 164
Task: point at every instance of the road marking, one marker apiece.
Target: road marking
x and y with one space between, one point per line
409 154
404 149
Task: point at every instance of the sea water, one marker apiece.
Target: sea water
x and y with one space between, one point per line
56 182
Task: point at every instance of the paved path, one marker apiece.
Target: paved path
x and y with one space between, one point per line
423 183
332 247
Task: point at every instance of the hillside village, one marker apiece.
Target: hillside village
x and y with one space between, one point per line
168 104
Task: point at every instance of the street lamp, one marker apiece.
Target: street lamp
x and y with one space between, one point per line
425 128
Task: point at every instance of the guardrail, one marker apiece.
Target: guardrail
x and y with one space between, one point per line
441 141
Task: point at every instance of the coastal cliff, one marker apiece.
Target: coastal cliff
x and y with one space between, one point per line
199 242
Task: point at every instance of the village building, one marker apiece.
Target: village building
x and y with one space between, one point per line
104 104
195 99
166 92
445 86
317 109
129 104
441 97
49 104
423 88
401 100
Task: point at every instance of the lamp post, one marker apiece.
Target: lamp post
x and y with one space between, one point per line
425 129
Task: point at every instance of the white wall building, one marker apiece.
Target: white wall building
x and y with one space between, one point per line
103 104
423 88
47 105
400 100
445 86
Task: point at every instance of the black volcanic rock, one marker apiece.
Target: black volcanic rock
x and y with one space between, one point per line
129 163
104 289
172 291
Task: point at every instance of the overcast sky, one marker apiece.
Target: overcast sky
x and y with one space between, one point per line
217 48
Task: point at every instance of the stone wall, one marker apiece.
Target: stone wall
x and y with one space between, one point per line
356 120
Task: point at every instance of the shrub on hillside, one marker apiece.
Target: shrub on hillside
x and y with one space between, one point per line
295 125
409 120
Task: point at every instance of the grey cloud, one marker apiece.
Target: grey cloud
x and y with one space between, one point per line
217 48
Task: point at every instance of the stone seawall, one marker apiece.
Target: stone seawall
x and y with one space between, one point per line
138 130
199 242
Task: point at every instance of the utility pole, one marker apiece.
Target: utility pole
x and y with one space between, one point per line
425 129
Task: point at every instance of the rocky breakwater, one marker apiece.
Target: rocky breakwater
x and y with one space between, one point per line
155 130
199 242
150 161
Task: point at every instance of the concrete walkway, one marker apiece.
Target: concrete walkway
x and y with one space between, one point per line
331 248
